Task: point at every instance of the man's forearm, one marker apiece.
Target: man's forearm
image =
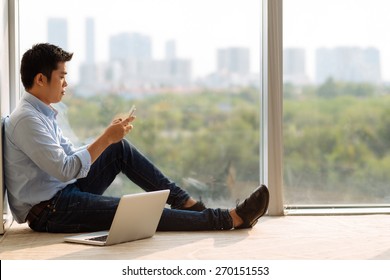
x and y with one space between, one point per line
98 146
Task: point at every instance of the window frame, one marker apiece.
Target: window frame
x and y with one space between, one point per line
11 94
14 51
273 83
271 154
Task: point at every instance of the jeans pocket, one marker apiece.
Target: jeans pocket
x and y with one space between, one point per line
54 201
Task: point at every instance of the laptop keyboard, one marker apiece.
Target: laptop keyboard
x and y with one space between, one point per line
99 238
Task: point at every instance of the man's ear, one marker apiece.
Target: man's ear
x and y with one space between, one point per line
40 79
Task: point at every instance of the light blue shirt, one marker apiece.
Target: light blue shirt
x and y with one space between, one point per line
39 161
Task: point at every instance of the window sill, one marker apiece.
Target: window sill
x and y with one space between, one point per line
336 210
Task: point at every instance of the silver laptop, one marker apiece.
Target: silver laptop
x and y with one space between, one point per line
136 217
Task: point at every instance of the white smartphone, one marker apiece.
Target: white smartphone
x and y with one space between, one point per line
132 111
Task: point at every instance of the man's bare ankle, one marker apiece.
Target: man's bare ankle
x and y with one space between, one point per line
237 221
190 202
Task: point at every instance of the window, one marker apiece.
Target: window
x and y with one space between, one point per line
197 72
3 89
4 67
336 103
8 26
190 67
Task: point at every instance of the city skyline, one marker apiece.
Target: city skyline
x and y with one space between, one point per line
134 50
132 68
192 25
201 27
337 23
348 64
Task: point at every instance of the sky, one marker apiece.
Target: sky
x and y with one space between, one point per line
333 23
200 27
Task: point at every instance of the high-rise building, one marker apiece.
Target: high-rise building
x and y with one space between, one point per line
170 50
130 46
351 64
90 41
138 69
88 69
57 32
294 66
178 70
233 61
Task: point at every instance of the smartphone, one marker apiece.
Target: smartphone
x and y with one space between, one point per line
132 110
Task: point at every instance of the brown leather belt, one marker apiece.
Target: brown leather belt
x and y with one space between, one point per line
36 210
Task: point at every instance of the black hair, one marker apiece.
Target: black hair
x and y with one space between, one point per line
41 58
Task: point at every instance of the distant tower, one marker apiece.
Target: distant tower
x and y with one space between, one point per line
294 66
130 46
57 32
233 60
90 40
88 69
170 50
351 64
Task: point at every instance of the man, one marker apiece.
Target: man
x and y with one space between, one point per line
56 187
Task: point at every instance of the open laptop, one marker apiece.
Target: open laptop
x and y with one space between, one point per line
136 217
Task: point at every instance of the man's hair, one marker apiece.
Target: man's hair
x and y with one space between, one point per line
41 58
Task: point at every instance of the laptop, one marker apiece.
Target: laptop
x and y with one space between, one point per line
136 217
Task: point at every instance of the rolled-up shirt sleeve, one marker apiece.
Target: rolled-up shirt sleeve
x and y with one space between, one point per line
85 160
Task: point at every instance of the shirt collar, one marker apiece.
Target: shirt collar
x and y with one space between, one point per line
48 111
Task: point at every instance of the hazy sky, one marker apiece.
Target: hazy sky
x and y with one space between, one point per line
199 27
331 23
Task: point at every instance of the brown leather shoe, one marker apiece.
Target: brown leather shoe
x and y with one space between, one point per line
252 208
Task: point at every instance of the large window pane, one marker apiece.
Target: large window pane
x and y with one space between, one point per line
191 68
336 102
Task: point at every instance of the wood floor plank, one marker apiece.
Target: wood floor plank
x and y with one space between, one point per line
273 238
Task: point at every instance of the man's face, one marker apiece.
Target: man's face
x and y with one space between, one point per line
55 89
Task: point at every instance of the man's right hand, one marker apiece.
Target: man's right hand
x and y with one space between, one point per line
114 133
118 129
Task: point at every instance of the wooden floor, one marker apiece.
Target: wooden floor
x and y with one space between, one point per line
362 237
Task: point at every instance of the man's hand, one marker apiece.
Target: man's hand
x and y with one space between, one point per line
118 129
114 133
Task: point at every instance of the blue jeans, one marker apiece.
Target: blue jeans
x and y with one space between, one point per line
82 207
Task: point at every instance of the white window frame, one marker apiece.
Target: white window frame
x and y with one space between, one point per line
272 124
14 62
271 154
11 93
